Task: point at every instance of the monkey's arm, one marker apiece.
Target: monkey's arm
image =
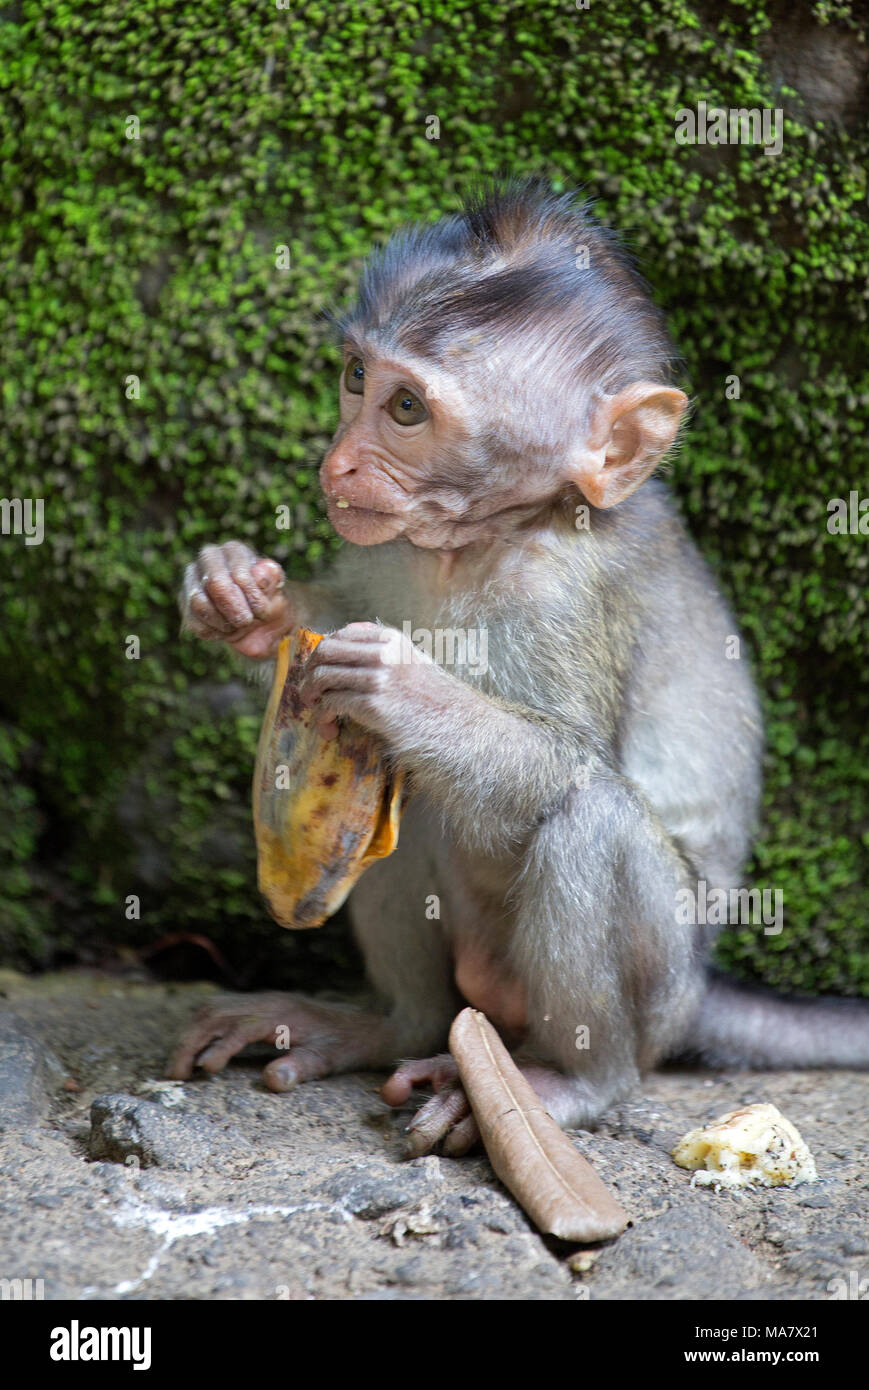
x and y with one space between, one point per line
496 767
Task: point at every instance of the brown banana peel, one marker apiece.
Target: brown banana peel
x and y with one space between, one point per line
323 809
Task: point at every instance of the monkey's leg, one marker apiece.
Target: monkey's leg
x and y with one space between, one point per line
609 972
612 971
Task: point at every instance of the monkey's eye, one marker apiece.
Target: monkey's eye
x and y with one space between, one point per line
406 408
354 376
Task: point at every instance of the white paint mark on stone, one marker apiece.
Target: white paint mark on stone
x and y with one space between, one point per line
170 1227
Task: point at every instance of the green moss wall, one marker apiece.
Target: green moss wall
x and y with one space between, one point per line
155 258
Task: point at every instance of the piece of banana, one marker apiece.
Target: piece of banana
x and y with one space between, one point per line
752 1147
323 809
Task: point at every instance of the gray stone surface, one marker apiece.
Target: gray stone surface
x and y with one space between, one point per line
125 1129
114 1184
28 1074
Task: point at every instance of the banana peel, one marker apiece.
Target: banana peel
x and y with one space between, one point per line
323 809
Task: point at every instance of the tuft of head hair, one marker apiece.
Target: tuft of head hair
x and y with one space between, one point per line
521 269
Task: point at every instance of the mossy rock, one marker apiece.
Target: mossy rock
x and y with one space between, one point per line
166 383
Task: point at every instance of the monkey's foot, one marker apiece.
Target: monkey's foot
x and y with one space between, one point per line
447 1116
315 1039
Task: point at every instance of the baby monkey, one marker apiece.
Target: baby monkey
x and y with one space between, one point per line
506 391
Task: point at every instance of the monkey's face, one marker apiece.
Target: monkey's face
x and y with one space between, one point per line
374 467
413 457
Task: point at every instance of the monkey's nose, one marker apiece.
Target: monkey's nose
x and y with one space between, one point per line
338 466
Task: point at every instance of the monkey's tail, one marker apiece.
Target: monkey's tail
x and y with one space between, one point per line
741 1026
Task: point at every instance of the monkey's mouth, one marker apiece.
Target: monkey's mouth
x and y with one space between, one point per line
342 504
362 525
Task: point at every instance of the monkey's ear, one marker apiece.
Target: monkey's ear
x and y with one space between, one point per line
628 435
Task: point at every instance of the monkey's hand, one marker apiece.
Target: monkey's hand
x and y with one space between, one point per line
314 1038
376 676
232 595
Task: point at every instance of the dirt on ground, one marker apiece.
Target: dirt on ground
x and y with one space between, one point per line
116 1184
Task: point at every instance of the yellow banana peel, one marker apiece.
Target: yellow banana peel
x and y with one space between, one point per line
323 809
